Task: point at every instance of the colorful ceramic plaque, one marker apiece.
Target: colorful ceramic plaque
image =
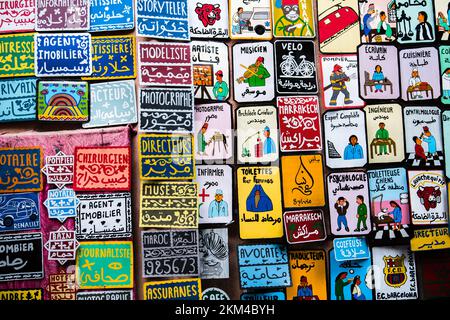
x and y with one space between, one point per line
340 81
300 128
304 226
293 18
21 294
21 256
213 134
253 71
63 101
296 69
18 99
384 134
105 265
263 266
59 169
111 15
208 19
102 168
169 205
61 286
259 201
394 273
17 16
165 156
215 193
345 138
430 239
423 136
428 194
441 20
214 254
303 181
61 204
378 21
112 103
171 253
104 216
419 68
350 280
446 133
308 272
62 245
63 55
164 64
19 211
353 248
378 70
21 169
415 21
17 55
250 19
183 289
113 57
348 199
257 134
62 15
338 26
166 110
164 19
211 70
444 52
114 295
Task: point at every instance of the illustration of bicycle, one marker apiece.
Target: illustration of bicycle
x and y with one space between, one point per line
290 67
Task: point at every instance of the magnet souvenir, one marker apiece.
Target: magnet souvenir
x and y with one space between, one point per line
378 21
250 19
18 99
214 254
444 52
208 19
17 55
111 15
17 16
253 71
62 15
293 18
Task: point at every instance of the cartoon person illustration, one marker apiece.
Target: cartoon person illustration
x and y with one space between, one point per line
414 83
258 200
424 30
237 25
218 207
446 84
355 290
353 150
303 289
442 24
256 74
290 24
201 141
367 20
341 207
339 285
396 215
383 135
269 144
361 213
220 89
384 27
378 78
427 137
418 149
338 79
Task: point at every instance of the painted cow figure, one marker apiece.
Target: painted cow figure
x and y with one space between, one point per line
207 13
429 196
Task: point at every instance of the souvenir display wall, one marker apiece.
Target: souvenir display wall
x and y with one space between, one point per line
224 149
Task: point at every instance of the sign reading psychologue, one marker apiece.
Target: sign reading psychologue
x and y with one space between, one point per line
61 204
102 168
21 169
166 110
170 253
166 156
169 205
21 257
19 211
59 55
263 266
17 55
18 99
164 64
62 15
105 265
112 103
300 128
111 15
104 216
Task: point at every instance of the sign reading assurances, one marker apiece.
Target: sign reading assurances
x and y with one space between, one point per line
183 289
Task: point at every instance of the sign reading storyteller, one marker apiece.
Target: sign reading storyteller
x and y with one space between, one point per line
102 168
104 216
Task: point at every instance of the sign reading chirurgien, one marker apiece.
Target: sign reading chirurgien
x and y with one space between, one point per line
164 64
166 19
166 110
171 253
165 156
17 16
169 205
21 169
17 55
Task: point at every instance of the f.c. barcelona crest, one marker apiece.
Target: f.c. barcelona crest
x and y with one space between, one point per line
394 271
